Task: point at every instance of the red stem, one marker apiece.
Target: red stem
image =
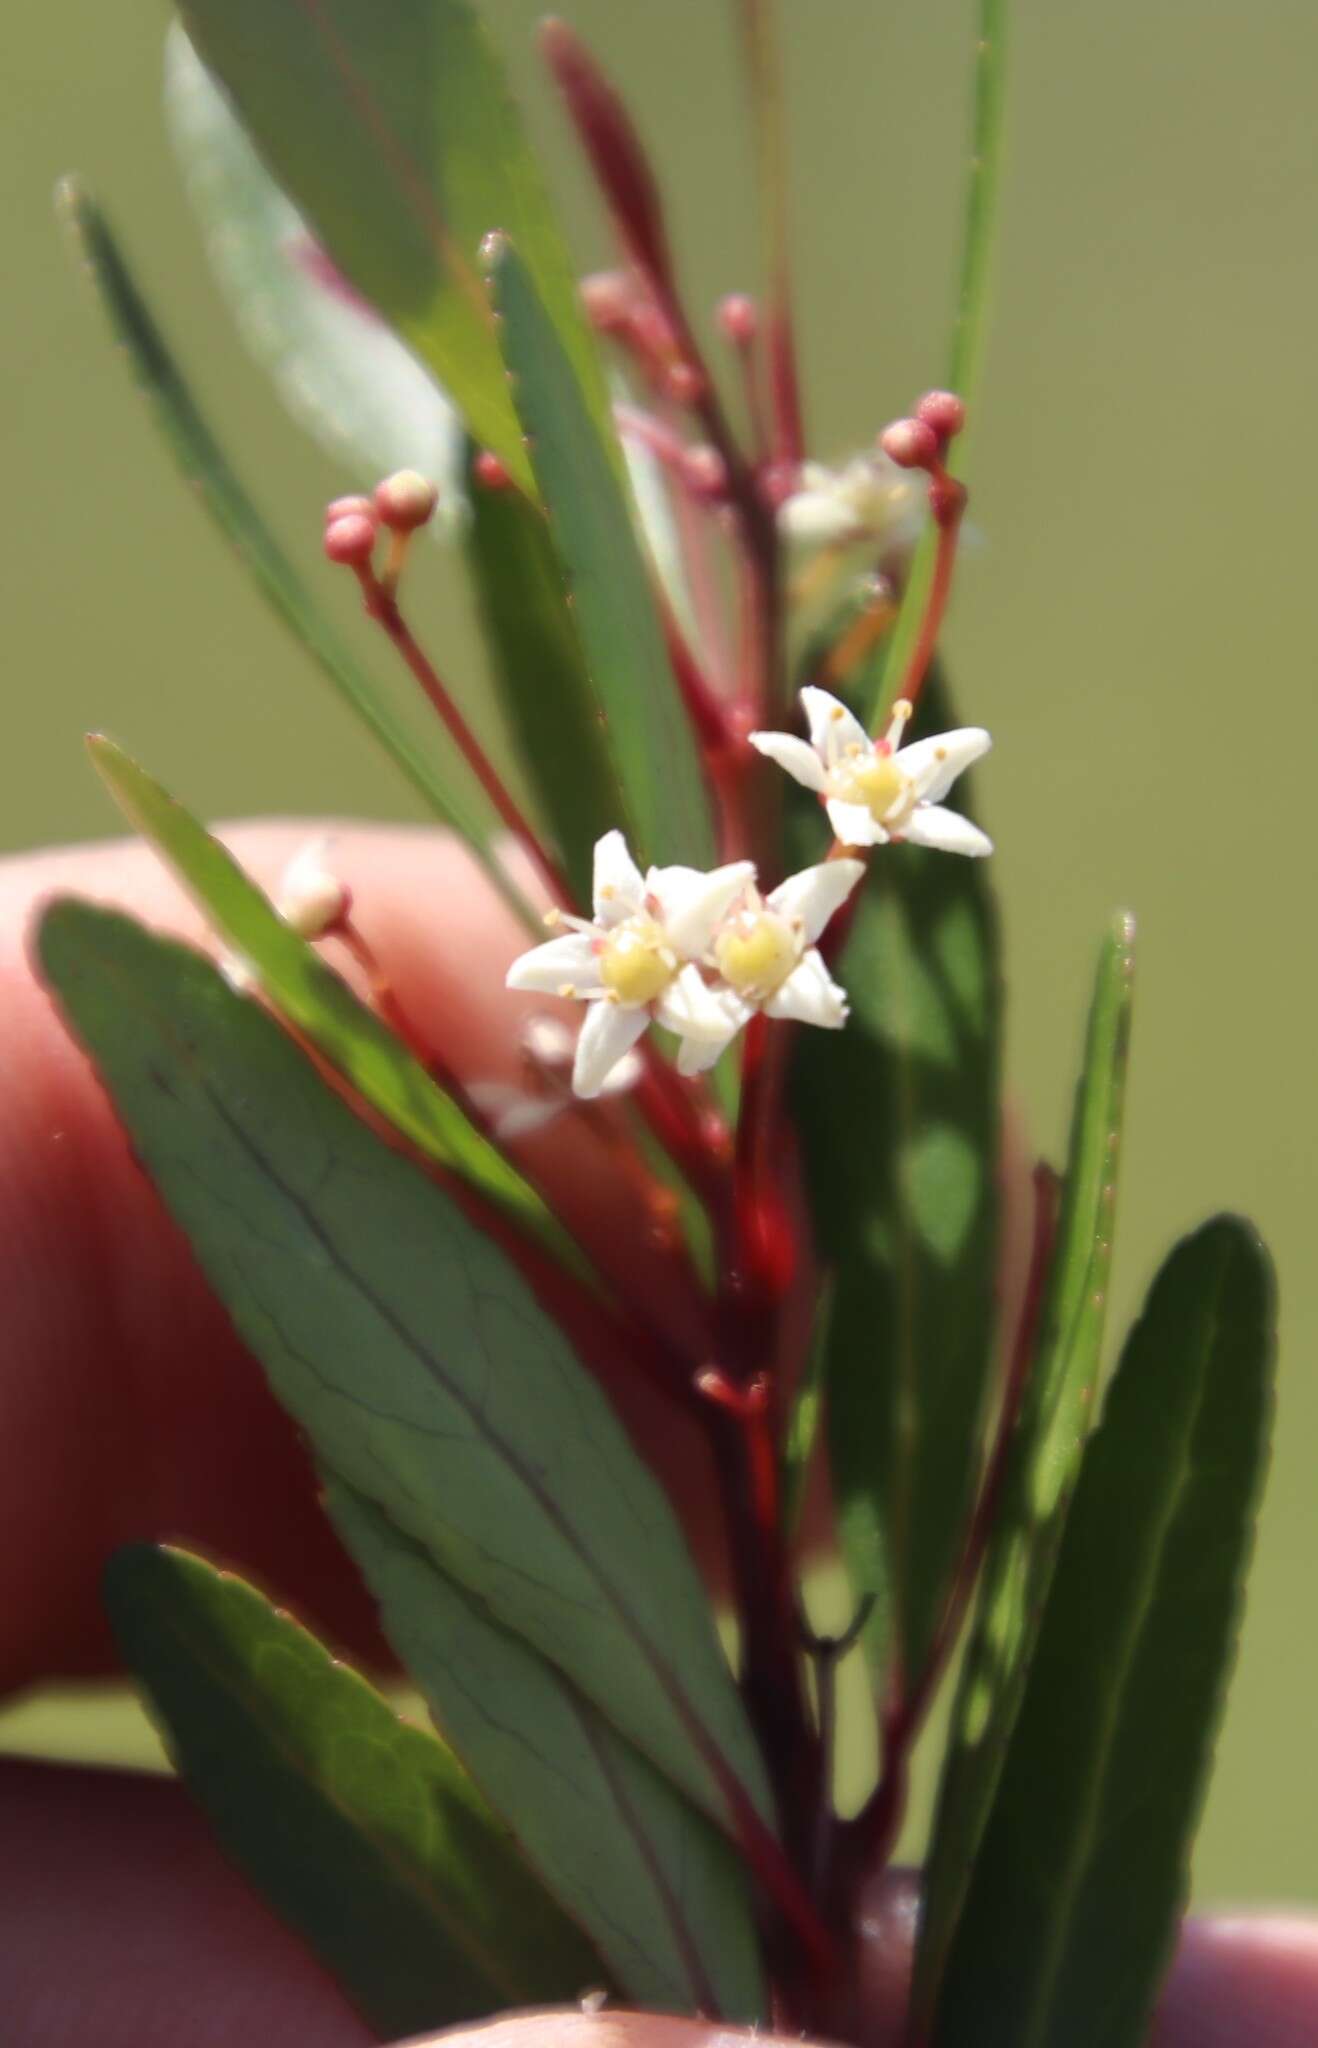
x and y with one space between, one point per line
947 502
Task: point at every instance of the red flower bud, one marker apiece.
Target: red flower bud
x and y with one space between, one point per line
406 500
739 319
912 444
351 539
943 411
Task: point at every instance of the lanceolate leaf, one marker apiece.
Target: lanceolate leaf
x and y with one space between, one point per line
541 674
339 369
635 696
204 465
407 1346
654 1883
392 130
899 1113
321 1006
1044 1462
360 1831
1082 1873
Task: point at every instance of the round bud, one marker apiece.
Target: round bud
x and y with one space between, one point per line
911 444
406 500
608 297
346 508
943 411
351 540
683 383
705 471
489 472
738 318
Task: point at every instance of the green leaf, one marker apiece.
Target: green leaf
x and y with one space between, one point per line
1081 1877
203 464
361 1832
1045 1458
652 1881
322 1007
393 132
666 810
407 1346
966 344
899 1114
342 373
541 676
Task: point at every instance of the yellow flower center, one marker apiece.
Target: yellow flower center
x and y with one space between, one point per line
876 781
756 952
636 963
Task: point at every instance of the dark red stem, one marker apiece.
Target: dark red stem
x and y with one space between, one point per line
947 503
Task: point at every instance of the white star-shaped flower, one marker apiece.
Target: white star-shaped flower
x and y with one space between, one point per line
877 790
868 501
635 960
766 957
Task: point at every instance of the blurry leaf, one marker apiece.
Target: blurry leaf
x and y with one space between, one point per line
807 1412
320 1005
540 670
341 371
636 698
203 464
361 1832
652 1881
899 1114
407 1346
392 131
1045 1458
966 345
1081 1876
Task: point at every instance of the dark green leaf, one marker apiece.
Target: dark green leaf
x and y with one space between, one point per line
204 465
363 1833
1082 1874
900 1119
322 1007
666 811
653 1882
340 371
393 132
541 675
1045 1458
407 1346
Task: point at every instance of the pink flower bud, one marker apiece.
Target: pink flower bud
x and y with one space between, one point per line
683 383
489 472
406 500
739 319
705 471
943 411
351 540
608 297
911 444
347 508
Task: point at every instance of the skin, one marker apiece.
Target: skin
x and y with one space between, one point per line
128 1410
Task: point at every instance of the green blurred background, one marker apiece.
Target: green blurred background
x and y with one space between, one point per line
1136 621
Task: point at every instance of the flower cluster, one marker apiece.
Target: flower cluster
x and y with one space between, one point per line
701 952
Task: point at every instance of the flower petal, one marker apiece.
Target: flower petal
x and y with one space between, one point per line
817 519
833 729
930 825
568 962
809 995
619 890
625 1075
607 1035
510 1112
697 1055
853 825
815 893
934 764
798 757
692 902
691 1009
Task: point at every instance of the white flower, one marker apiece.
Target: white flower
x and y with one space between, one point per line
548 1046
634 961
872 791
310 895
766 957
868 501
